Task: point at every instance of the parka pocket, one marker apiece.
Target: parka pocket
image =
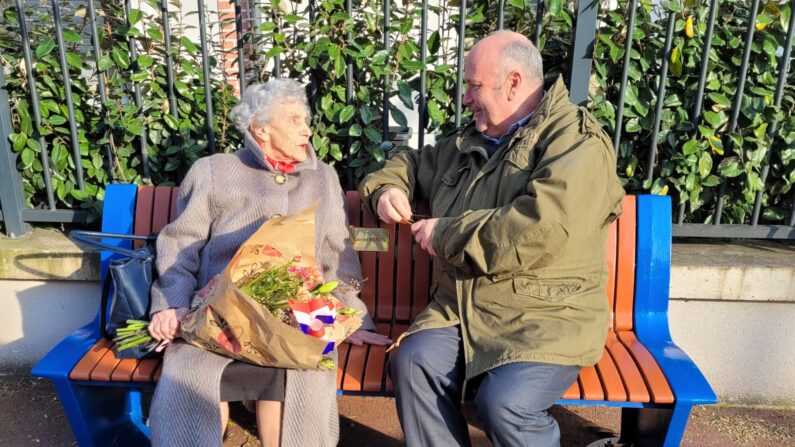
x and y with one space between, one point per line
547 289
454 176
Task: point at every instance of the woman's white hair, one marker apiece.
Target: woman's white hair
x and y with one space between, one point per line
258 103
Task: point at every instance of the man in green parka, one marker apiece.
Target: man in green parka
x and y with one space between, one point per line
521 200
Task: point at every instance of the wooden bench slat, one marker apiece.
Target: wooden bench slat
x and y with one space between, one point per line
342 360
625 263
354 369
591 386
655 379
161 209
385 292
124 370
158 371
144 203
82 371
573 393
611 379
403 284
105 367
633 381
374 370
145 371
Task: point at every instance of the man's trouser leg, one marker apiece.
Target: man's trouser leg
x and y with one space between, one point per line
427 372
513 399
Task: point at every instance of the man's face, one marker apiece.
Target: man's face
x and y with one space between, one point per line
486 94
287 133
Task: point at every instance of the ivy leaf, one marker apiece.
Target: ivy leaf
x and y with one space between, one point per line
56 120
676 61
155 33
518 4
366 114
355 130
633 126
691 147
74 60
704 164
554 7
18 140
104 63
346 113
435 112
404 93
171 121
72 36
729 167
120 57
27 157
398 116
135 16
145 61
45 47
372 134
182 89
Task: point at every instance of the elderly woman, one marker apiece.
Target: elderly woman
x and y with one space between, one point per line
223 200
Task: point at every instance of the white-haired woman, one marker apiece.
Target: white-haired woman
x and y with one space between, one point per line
222 201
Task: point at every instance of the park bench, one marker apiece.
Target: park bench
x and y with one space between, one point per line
641 371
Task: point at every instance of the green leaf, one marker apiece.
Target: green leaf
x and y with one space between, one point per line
633 126
704 164
355 130
366 114
691 147
189 45
715 119
45 47
182 89
372 134
56 120
346 113
404 93
325 103
554 7
719 98
155 33
145 61
104 63
27 157
518 4
755 182
72 36
74 60
335 152
676 61
134 16
729 167
171 121
18 140
120 57
435 112
398 116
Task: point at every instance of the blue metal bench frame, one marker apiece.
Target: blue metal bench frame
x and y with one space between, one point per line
110 413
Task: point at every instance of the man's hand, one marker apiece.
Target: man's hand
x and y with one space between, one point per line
361 337
165 324
393 207
423 234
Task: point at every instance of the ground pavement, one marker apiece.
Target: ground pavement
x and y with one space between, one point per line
30 415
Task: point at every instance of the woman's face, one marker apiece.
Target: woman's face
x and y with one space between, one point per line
286 136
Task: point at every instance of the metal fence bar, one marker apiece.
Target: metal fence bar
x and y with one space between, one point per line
771 130
349 98
500 14
385 115
633 8
422 104
208 96
12 197
139 100
539 20
459 78
241 64
666 56
749 37
110 159
582 54
34 100
172 96
67 84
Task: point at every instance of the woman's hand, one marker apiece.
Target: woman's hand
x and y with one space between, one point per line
165 324
362 336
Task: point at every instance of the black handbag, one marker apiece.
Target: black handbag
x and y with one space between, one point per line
125 290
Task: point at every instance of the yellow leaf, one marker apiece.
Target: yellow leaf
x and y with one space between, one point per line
760 26
689 27
664 190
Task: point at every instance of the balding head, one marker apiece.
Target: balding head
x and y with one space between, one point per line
505 81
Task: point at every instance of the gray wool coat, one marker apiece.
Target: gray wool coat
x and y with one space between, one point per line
222 201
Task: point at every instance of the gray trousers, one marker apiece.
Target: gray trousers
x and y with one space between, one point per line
511 402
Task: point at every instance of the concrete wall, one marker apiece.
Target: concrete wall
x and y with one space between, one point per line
732 310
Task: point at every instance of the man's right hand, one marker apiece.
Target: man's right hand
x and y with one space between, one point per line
393 207
165 324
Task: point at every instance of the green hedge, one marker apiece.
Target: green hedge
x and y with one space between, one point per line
697 157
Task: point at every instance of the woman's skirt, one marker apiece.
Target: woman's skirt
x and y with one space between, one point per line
244 381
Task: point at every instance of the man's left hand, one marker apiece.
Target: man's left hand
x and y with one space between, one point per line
361 337
423 234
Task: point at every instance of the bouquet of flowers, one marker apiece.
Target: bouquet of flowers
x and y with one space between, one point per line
265 307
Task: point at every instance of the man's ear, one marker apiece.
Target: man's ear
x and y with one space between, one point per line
514 81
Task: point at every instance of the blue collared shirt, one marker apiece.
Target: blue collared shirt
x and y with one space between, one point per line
494 143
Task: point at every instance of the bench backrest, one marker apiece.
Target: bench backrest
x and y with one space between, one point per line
398 280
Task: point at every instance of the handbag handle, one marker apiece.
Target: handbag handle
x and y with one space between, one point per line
92 239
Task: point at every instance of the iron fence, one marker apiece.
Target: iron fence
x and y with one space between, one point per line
16 215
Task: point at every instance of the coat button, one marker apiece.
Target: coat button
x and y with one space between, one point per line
280 179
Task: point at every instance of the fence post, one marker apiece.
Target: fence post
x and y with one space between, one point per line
12 198
582 55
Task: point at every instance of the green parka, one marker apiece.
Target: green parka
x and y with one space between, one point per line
520 239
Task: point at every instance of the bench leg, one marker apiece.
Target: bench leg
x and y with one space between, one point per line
103 416
654 426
